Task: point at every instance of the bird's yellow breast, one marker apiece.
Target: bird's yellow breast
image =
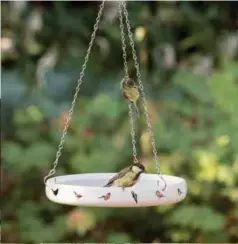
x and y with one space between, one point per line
132 94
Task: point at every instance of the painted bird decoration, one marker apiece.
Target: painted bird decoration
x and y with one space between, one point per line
130 91
56 191
134 195
127 177
77 195
106 197
159 194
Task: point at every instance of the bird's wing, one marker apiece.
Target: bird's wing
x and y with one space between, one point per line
125 95
118 175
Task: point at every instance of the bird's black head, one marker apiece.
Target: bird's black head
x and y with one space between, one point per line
130 82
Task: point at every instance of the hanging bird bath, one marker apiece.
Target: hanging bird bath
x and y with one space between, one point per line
89 189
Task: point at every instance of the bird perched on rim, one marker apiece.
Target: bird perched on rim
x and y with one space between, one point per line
130 91
127 177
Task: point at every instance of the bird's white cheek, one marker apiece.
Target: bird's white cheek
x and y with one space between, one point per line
136 170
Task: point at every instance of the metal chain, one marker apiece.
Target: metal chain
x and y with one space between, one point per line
141 87
127 75
79 82
132 133
123 39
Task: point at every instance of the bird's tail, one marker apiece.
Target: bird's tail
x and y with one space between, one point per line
137 109
107 185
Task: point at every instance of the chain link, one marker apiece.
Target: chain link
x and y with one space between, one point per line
141 87
79 82
123 39
127 75
132 133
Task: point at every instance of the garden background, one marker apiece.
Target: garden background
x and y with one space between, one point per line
188 56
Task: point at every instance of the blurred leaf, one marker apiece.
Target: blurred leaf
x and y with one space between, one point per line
194 85
118 238
198 217
218 237
224 89
32 227
74 143
104 106
30 114
37 155
28 134
231 68
11 153
99 161
179 236
13 88
59 84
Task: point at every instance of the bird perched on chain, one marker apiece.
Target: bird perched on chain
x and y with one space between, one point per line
127 177
130 91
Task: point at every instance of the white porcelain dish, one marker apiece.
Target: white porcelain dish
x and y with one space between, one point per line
88 190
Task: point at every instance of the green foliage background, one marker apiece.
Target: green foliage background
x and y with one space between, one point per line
188 57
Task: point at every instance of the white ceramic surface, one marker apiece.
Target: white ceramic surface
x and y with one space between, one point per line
88 190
